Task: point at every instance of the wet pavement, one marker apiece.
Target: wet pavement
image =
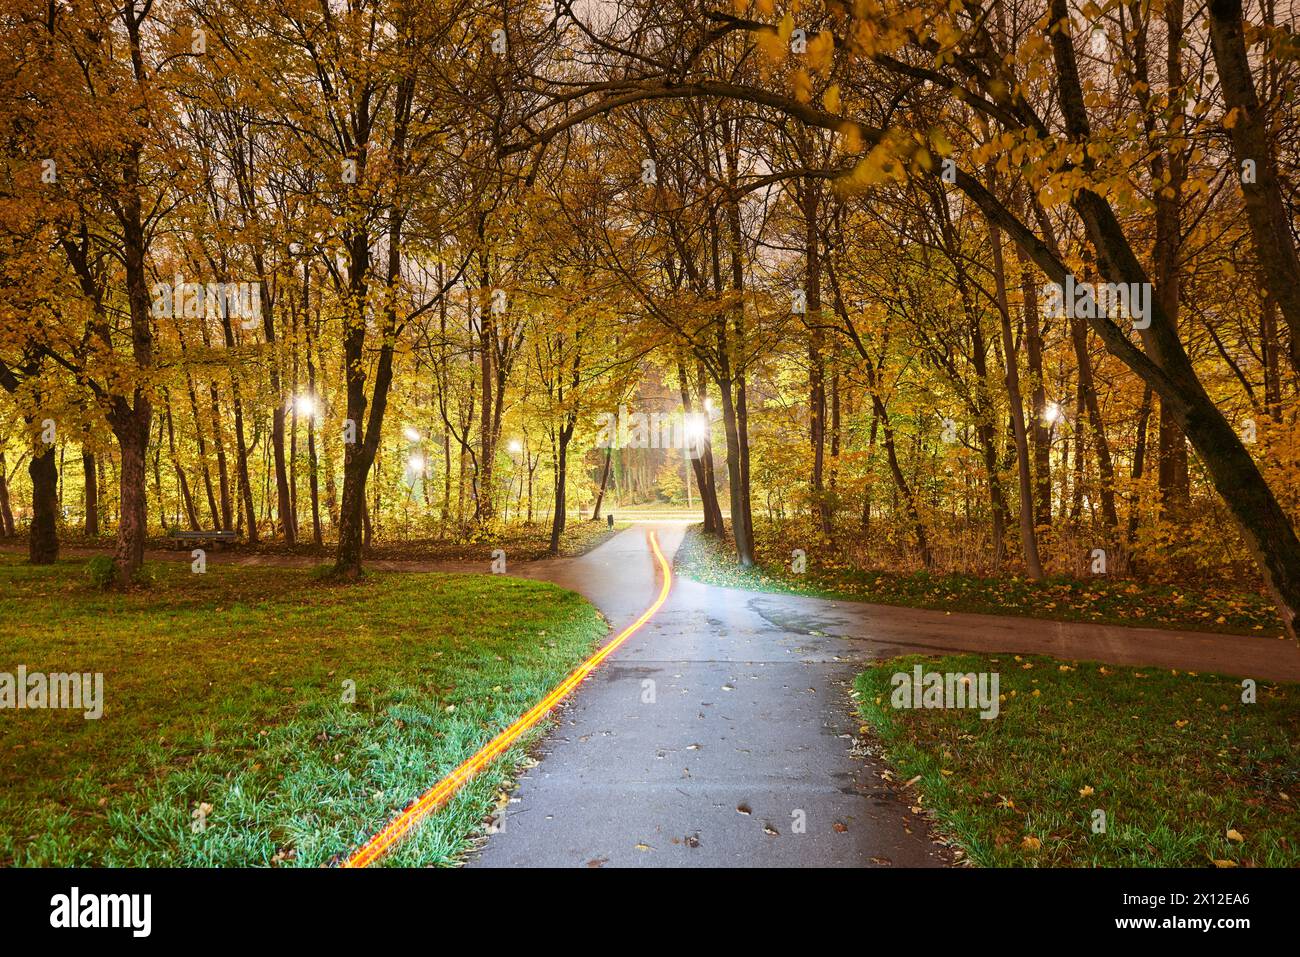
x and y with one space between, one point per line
722 734
716 736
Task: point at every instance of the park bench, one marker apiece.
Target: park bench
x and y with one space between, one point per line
179 536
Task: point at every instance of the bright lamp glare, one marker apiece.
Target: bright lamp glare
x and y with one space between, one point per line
697 427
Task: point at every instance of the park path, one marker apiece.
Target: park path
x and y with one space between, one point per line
715 736
750 713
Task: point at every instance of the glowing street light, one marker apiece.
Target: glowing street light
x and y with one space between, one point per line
697 427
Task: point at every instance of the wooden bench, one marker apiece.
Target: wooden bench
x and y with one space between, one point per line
181 535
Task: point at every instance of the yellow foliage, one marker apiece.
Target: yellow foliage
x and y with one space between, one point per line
821 52
851 137
773 46
785 28
801 83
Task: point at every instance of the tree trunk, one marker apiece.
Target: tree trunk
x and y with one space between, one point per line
223 470
702 461
90 496
559 516
1088 391
43 544
904 488
816 361
6 512
352 508
1139 463
1266 212
241 446
1038 399
1028 537
284 498
484 503
604 481
133 439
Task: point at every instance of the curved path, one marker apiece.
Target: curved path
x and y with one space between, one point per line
714 737
731 701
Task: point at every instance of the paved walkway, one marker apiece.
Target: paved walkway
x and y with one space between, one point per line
714 737
749 732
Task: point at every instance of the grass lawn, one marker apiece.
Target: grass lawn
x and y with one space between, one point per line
1186 773
521 541
224 692
1102 600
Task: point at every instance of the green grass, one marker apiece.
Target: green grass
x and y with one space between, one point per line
1101 600
225 689
522 541
1175 761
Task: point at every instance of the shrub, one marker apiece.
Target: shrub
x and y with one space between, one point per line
101 572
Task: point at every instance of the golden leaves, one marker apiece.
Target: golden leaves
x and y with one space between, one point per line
851 138
821 52
771 45
939 141
801 84
785 29
831 98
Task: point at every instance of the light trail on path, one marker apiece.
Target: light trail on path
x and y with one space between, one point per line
438 795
